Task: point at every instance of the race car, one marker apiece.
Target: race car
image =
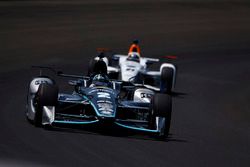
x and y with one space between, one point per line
134 68
98 100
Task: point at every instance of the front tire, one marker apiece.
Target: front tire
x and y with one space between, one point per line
160 117
46 95
167 76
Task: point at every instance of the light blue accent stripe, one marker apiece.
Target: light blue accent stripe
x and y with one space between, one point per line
86 98
69 115
76 122
136 128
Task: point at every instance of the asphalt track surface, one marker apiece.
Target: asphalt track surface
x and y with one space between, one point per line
211 103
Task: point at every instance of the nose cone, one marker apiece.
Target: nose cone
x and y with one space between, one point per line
128 75
104 103
129 70
105 108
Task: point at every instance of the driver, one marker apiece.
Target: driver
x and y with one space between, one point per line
100 80
134 56
135 47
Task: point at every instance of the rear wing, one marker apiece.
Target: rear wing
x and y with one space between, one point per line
151 60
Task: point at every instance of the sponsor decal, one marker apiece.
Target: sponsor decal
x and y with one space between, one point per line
92 91
38 82
146 95
101 89
105 108
103 95
102 101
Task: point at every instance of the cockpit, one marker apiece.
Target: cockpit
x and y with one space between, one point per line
134 56
100 80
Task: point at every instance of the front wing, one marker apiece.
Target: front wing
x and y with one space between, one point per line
53 118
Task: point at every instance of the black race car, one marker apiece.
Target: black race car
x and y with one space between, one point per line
97 99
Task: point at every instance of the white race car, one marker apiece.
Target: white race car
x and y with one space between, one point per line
134 68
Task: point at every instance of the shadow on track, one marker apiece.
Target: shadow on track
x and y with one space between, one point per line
178 94
112 131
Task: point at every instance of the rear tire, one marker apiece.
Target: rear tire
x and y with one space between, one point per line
167 76
46 95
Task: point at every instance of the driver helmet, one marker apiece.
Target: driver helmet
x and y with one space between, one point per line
134 56
100 80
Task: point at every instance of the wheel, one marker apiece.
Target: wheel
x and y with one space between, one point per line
31 94
167 76
160 117
46 95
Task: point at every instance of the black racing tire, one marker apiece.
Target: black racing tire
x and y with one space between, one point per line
167 76
161 107
38 116
46 95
